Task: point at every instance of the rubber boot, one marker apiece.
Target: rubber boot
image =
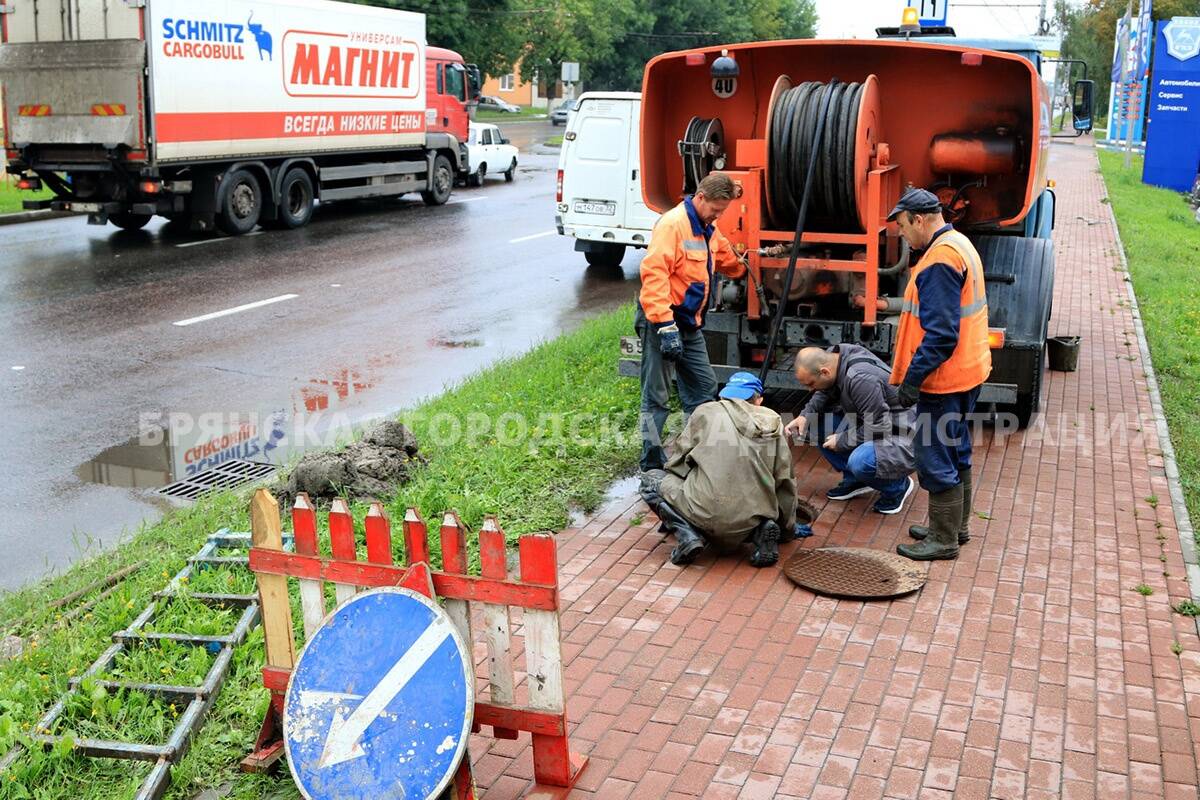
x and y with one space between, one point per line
945 515
964 528
688 541
766 544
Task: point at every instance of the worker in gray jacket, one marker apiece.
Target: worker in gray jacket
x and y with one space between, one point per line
862 430
730 481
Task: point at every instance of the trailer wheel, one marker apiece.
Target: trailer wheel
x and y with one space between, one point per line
295 199
441 184
606 254
510 172
128 221
241 203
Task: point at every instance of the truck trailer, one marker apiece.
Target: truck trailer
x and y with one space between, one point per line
227 113
969 120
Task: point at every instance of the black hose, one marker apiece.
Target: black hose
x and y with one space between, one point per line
791 146
823 95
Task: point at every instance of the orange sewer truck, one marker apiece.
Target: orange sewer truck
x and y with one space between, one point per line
969 121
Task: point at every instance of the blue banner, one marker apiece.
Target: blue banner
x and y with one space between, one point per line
1173 137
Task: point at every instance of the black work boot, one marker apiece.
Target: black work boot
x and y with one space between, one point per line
945 515
766 544
964 528
688 541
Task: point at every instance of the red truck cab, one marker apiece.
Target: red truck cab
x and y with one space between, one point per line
451 88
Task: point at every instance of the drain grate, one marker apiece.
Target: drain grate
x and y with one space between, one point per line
231 473
855 572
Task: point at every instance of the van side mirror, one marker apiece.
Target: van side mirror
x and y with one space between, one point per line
1081 105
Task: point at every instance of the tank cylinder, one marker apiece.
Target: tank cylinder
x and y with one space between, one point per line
973 154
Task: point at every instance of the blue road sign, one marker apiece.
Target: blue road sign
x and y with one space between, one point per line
380 702
1173 137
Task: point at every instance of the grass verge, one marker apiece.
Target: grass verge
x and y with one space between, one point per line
568 429
1162 244
527 112
11 197
554 141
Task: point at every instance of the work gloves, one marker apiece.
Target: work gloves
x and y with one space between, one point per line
908 395
669 343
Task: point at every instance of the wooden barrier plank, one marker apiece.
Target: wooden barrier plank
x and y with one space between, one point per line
341 540
266 533
454 562
416 538
493 564
312 598
379 535
462 587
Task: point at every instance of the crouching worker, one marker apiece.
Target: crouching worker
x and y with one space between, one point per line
862 429
730 481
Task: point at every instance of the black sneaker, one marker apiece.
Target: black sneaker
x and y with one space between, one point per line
895 503
766 544
848 488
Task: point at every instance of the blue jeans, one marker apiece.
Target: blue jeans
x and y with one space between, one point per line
859 464
943 442
694 377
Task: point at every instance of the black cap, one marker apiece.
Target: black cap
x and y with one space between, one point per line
916 201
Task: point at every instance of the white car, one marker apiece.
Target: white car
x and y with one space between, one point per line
489 103
488 151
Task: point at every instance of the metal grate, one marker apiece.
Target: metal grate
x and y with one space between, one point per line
855 572
231 473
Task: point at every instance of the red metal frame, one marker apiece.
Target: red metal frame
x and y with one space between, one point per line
536 590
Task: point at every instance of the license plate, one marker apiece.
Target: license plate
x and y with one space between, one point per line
606 209
631 346
90 208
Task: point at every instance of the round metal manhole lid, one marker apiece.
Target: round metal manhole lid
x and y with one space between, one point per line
855 572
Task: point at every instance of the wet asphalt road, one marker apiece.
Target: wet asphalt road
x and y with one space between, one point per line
394 301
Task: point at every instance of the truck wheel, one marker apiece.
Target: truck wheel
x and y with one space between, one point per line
478 175
295 199
511 172
608 254
241 203
127 220
441 184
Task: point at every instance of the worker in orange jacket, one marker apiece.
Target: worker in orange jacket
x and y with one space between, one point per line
942 359
677 276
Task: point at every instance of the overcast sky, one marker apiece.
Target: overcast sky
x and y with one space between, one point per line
844 19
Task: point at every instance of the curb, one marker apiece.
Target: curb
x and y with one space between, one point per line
32 216
1183 520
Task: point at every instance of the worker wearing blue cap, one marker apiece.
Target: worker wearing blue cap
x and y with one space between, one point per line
730 481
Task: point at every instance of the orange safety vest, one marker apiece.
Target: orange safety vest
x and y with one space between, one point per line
675 272
971 362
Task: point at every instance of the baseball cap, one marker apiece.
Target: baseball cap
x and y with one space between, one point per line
742 386
916 201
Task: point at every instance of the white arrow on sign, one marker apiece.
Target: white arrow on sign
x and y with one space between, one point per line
345 733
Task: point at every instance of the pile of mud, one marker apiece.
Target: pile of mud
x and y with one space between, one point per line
369 469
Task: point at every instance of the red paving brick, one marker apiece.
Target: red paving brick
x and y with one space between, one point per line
1029 667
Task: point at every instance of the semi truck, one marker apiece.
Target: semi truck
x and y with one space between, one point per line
969 120
227 113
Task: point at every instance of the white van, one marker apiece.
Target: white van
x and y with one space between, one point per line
599 181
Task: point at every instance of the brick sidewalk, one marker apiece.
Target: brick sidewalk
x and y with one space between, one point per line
1028 668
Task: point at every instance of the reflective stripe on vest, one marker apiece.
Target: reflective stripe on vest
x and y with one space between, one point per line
693 244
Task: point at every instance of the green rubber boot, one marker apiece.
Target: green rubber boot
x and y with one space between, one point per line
964 529
945 515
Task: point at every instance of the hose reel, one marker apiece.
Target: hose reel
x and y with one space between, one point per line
851 122
702 150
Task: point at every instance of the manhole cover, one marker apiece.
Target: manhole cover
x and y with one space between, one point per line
855 572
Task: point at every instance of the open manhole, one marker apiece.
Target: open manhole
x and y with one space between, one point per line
231 473
855 572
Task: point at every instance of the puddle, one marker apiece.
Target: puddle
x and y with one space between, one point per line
619 489
456 343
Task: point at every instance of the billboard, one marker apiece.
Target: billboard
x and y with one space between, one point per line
1173 139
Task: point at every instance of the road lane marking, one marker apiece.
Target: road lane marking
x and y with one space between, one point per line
18 367
532 236
218 239
464 200
236 310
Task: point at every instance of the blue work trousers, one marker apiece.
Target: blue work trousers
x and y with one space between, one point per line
694 377
943 442
859 464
